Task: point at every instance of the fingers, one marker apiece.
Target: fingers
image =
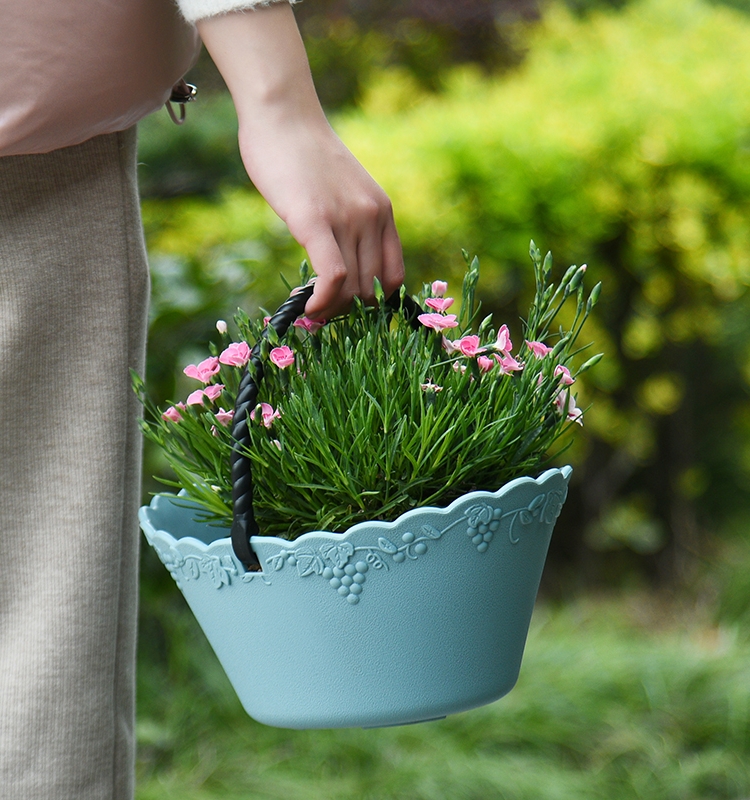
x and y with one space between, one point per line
329 265
347 264
393 259
369 265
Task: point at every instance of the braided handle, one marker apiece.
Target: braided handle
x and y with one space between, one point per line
244 524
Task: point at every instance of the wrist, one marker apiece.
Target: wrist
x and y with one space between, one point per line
262 59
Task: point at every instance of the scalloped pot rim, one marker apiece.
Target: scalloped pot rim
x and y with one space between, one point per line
151 531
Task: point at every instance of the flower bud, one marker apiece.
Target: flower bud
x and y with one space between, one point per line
439 288
577 278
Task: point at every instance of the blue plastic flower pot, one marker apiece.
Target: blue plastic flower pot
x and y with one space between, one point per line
386 624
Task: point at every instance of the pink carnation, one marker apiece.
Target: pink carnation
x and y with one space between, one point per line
236 355
441 304
503 343
439 288
438 322
213 391
267 414
310 325
224 417
172 415
572 412
203 371
508 364
564 374
468 345
282 356
539 349
485 364
195 398
450 346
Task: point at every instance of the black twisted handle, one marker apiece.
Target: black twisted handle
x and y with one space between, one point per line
244 524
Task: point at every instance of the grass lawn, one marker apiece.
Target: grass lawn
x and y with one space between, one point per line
619 697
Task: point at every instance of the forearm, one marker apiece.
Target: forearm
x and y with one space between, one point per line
262 59
332 207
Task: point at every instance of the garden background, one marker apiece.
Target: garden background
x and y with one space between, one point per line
613 133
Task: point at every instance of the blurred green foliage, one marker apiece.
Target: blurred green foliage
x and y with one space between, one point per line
348 42
195 158
624 140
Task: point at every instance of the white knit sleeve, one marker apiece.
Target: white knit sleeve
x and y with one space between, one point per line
193 10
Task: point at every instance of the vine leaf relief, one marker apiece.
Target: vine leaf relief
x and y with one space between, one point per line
346 567
218 569
484 520
337 554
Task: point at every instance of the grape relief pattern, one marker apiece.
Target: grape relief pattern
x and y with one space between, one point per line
485 521
346 567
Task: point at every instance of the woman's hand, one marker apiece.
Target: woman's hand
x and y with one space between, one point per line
331 205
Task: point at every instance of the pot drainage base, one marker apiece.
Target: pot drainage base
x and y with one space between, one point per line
399 724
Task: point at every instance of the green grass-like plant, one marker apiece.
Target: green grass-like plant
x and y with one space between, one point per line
367 416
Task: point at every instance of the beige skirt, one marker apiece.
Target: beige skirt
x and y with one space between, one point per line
73 309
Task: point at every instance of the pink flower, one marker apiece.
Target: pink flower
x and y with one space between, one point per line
441 304
172 415
508 364
450 346
459 367
572 412
195 398
276 443
539 349
438 322
503 343
468 345
224 417
203 371
282 356
266 320
564 374
221 326
213 391
267 414
485 364
310 325
439 288
430 387
236 355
